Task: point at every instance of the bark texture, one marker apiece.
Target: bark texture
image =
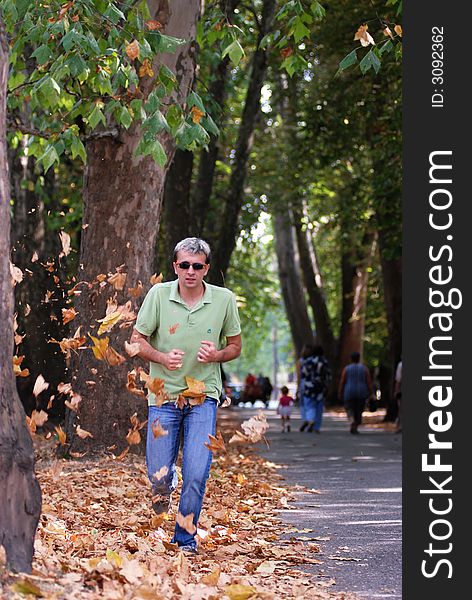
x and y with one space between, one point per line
291 285
20 498
122 209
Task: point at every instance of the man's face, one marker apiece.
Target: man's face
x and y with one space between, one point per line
190 278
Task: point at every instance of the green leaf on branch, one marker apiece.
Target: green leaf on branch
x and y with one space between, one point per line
386 47
370 61
77 65
78 149
49 157
42 54
194 99
317 10
347 61
210 125
149 146
48 91
299 30
234 51
113 14
95 117
168 43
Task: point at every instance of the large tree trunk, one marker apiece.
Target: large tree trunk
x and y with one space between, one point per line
122 209
291 285
314 288
229 229
20 498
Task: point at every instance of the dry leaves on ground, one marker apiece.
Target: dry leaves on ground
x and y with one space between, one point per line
98 536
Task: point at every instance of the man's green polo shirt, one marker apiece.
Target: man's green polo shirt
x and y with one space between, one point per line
170 324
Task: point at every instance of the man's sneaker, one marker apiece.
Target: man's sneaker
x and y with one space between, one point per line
161 504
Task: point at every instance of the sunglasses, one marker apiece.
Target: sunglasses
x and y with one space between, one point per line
186 265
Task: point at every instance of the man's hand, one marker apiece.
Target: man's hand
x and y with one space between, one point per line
207 352
173 359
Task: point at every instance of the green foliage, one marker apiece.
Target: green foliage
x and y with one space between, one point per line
81 66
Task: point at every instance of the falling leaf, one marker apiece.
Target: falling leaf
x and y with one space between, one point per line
108 322
27 310
133 438
68 344
195 391
152 25
131 385
50 401
39 385
132 50
253 430
136 291
173 328
113 357
186 522
132 349
64 388
181 402
238 591
157 429
387 32
197 114
158 475
83 433
61 434
39 417
155 279
73 403
146 69
364 36
398 30
117 280
156 386
68 314
16 274
35 257
17 360
99 347
216 444
65 241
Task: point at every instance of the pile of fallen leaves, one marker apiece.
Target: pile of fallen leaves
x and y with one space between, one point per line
99 538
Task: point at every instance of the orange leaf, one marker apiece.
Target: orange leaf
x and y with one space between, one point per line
364 36
286 52
156 386
197 114
113 357
133 438
138 290
181 402
155 279
61 434
195 388
398 30
117 280
131 385
132 50
157 429
186 522
216 444
83 433
68 314
146 69
152 25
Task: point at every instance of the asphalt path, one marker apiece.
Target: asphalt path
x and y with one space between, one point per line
357 512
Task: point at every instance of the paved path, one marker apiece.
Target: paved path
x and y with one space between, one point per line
359 508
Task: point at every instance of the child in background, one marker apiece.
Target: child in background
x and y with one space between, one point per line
284 408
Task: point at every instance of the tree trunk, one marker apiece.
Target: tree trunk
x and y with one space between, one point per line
291 285
122 209
20 499
176 206
314 288
229 228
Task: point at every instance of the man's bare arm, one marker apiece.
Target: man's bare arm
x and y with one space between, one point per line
209 353
171 360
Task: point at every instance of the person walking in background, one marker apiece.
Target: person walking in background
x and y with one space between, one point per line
284 409
306 351
315 374
355 387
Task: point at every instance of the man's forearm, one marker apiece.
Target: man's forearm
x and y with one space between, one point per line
229 352
146 351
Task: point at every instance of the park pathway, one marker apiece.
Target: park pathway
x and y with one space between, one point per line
358 508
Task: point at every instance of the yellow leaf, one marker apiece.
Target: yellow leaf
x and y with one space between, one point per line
99 347
25 587
398 30
17 360
238 591
132 50
114 558
194 389
146 69
186 522
108 322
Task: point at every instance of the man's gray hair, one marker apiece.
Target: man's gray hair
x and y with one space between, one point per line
193 245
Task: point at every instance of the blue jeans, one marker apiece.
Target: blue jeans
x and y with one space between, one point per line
314 410
195 423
